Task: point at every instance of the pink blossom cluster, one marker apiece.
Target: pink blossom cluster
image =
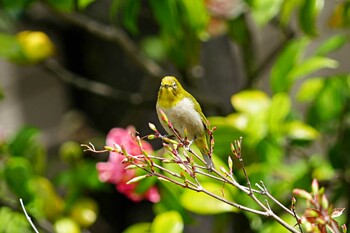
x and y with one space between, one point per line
113 171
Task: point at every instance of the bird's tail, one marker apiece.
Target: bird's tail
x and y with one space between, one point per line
209 162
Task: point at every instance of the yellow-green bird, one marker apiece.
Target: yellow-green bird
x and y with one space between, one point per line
185 114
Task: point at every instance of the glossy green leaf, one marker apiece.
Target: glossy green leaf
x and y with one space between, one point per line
131 9
286 61
142 227
264 11
299 131
308 15
196 14
311 65
309 89
251 102
332 44
201 203
170 222
279 109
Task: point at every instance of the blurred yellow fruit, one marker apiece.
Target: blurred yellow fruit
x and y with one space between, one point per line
36 45
84 212
65 225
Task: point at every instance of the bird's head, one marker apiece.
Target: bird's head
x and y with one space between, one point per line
170 91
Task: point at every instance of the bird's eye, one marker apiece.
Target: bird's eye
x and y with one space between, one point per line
174 85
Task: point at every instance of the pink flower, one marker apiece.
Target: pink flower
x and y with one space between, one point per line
113 171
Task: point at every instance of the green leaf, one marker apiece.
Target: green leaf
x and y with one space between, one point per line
142 227
251 102
170 222
115 7
308 15
201 203
311 65
25 144
167 15
18 173
287 9
299 131
264 11
9 47
196 15
82 4
286 61
131 9
332 44
330 102
310 89
279 109
62 5
15 5
154 47
13 222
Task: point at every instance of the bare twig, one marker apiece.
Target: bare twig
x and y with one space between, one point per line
89 85
27 216
115 35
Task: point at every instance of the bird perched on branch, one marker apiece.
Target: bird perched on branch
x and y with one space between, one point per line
185 114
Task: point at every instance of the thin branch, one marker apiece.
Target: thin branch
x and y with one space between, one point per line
27 216
115 35
83 83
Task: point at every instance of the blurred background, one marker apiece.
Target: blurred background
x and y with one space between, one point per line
274 72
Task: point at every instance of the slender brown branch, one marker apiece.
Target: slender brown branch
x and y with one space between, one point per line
115 35
83 83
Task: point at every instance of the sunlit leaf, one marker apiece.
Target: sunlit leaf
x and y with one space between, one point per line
251 102
170 221
286 61
12 221
309 89
264 11
202 203
299 131
308 15
311 65
279 109
332 44
142 227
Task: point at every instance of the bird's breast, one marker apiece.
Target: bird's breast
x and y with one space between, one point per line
184 116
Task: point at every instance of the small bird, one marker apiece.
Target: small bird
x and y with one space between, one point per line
185 114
